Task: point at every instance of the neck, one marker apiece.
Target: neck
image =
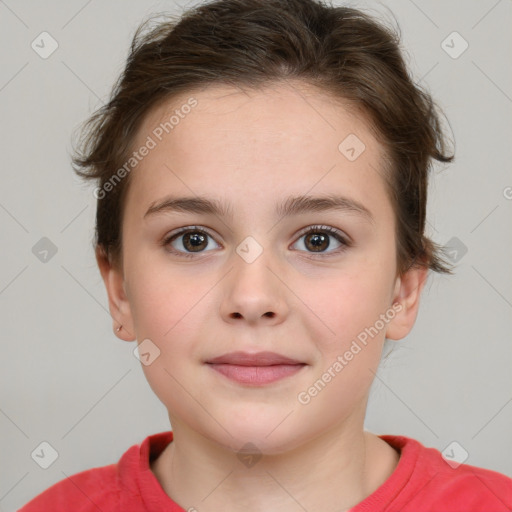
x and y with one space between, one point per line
332 472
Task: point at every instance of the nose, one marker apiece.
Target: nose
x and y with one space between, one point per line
254 293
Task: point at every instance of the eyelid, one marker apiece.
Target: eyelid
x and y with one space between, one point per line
184 229
324 227
302 232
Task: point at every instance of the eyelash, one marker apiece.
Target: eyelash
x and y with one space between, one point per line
311 229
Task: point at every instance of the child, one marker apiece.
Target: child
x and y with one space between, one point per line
262 178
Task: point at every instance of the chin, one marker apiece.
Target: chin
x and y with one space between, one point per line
264 435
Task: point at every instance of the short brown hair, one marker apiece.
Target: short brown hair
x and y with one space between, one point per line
251 43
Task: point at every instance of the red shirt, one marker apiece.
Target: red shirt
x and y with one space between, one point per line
422 481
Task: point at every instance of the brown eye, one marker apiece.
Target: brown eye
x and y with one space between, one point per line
317 242
195 241
188 241
317 239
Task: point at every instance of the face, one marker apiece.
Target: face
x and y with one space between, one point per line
265 272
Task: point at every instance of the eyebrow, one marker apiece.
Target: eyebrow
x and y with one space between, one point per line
294 205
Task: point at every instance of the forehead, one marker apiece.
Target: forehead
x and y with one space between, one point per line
275 107
284 136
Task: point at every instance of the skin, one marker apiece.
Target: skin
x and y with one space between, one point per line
252 150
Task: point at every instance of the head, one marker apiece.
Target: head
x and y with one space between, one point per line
219 120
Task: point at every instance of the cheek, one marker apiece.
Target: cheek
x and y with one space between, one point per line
350 300
348 358
168 310
165 300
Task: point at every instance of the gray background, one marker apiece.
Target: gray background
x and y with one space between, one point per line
67 380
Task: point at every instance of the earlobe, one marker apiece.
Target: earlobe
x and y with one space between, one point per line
407 293
118 303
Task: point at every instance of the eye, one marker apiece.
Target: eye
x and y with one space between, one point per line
317 239
193 240
187 241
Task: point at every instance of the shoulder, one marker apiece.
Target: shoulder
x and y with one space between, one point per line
90 490
437 479
480 488
113 488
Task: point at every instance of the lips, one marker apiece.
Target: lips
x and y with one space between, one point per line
258 359
255 369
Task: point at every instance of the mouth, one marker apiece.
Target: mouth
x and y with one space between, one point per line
255 369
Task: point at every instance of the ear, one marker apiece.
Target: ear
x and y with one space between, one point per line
117 299
408 288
